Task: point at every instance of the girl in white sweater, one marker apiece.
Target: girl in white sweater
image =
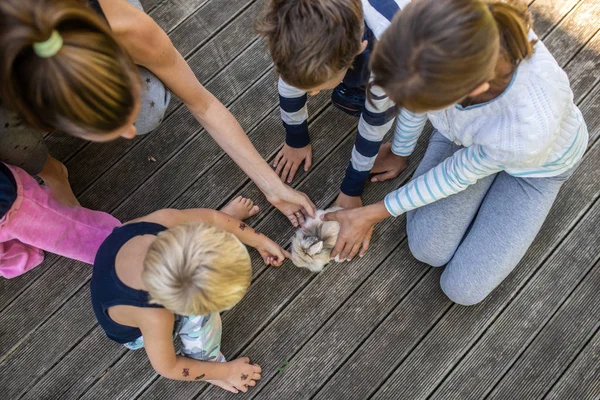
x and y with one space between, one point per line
507 135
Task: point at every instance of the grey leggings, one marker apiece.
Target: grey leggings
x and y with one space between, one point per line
481 233
24 147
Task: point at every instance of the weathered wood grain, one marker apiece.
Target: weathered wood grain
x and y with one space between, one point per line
343 333
553 350
574 31
462 326
36 354
581 382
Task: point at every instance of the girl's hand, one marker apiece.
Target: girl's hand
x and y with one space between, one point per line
243 374
271 252
387 164
288 161
292 203
356 228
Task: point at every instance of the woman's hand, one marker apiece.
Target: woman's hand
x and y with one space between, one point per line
288 161
243 374
356 228
387 164
292 203
271 252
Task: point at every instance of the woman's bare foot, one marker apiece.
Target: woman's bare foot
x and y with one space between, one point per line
240 208
56 177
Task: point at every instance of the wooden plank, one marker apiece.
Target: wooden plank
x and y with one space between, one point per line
584 69
560 341
213 17
582 192
521 321
39 301
78 370
330 345
435 356
171 13
548 13
574 31
581 379
17 371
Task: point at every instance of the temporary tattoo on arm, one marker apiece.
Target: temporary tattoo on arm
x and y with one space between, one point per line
199 377
185 372
242 226
244 377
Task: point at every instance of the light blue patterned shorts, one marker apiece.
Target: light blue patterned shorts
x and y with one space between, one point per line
200 337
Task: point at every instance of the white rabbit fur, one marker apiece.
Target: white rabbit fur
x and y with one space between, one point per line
313 242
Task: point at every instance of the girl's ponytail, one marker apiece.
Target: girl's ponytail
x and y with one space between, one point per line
514 22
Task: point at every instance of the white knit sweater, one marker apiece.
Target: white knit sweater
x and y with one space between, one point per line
532 130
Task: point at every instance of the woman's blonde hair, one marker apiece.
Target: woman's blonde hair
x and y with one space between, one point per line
196 269
436 52
89 86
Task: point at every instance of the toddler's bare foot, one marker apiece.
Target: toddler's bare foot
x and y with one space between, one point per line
240 208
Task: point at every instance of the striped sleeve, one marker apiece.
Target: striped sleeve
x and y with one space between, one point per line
453 175
409 127
375 121
294 114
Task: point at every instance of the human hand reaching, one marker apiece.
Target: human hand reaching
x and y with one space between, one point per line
387 164
243 374
271 252
292 203
289 159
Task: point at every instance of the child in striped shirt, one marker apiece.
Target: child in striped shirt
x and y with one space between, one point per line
507 134
325 44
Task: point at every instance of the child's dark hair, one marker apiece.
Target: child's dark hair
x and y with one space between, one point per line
88 86
312 40
438 51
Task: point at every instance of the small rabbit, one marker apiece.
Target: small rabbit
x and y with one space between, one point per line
312 244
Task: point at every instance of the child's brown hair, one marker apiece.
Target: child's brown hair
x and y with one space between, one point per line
88 86
311 41
437 52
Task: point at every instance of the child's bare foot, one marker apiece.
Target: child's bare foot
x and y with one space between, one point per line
240 208
56 177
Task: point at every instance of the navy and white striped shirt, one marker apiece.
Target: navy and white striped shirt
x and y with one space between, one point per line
375 121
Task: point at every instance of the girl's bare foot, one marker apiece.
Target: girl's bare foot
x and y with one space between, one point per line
56 177
240 208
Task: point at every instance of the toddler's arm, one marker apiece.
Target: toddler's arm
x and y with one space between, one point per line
157 329
271 252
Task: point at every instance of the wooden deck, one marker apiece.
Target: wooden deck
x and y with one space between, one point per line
379 327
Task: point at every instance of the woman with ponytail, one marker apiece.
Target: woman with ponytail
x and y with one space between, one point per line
507 135
100 70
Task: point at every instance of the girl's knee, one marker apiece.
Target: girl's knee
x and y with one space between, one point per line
463 292
426 252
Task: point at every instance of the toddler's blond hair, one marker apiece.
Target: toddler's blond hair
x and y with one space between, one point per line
196 269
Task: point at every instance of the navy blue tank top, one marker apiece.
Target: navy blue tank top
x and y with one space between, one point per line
108 290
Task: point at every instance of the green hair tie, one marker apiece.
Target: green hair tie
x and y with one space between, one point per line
49 47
